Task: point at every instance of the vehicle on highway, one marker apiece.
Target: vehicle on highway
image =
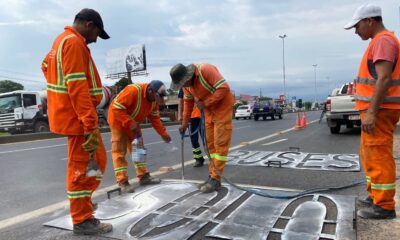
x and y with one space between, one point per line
340 109
22 111
266 108
244 111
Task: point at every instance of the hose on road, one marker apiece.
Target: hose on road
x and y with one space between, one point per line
260 192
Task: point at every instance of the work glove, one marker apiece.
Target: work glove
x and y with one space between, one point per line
92 141
183 127
167 138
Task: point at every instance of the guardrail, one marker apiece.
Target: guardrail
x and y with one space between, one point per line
48 135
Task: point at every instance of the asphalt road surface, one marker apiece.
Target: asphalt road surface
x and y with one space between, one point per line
33 173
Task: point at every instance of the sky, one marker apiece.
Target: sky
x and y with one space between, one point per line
240 37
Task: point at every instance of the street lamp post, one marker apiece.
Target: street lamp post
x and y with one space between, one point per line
283 60
315 80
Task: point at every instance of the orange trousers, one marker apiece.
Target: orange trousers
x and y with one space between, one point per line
376 154
219 134
79 186
121 143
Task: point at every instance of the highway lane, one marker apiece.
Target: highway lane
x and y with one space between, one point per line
33 173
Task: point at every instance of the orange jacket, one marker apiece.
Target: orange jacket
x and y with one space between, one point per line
365 83
210 87
130 106
73 85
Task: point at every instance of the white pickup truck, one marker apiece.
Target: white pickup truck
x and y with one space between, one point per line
340 109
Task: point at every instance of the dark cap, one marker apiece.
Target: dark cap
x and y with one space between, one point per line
158 87
92 15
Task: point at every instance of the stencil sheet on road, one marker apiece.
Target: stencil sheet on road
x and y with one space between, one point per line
297 160
177 210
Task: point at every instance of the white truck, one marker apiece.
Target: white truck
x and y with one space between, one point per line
23 111
340 109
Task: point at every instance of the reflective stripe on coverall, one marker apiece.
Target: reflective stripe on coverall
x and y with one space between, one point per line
79 186
73 90
130 106
210 87
376 149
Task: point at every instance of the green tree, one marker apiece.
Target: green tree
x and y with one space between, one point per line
9 86
307 105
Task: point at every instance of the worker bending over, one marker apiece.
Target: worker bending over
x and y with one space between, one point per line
204 86
132 105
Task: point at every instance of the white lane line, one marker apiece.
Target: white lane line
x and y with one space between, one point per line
242 127
29 149
64 159
51 208
277 141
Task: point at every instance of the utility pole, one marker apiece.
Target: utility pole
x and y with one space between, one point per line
283 60
315 80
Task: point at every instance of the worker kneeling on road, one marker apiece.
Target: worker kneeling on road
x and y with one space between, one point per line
203 84
73 91
127 111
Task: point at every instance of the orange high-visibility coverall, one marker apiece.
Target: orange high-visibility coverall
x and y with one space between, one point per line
73 91
376 148
130 106
211 88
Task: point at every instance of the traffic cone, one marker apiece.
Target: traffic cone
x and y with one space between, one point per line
303 121
298 125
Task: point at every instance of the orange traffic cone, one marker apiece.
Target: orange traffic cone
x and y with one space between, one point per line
298 125
303 121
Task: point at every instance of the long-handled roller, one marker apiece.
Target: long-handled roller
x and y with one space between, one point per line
183 156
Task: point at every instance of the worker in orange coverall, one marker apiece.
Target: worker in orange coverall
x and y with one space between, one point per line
204 86
73 91
133 104
378 100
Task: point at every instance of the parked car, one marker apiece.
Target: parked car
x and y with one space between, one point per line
267 108
244 111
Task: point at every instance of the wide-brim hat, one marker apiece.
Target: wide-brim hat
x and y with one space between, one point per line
180 74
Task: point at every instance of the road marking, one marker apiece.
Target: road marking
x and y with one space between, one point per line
242 127
28 149
51 208
277 141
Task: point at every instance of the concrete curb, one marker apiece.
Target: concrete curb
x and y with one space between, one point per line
49 135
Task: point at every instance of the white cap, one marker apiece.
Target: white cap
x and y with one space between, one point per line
364 11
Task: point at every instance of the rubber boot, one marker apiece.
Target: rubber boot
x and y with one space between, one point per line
376 212
203 183
126 187
149 180
92 227
199 162
366 202
211 186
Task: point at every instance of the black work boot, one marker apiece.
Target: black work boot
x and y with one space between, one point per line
203 183
376 212
92 227
149 180
199 162
126 187
211 186
366 202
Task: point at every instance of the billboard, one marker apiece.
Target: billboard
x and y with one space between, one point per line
129 59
